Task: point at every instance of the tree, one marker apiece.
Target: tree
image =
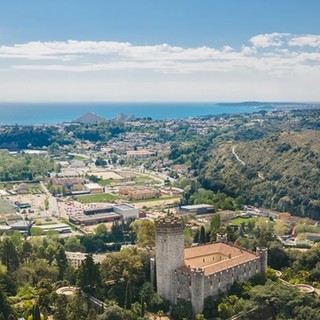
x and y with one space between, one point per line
202 235
77 307
62 261
60 311
88 276
126 265
128 300
4 305
182 310
26 251
215 223
92 315
280 228
73 244
277 301
278 257
9 255
112 313
36 313
145 231
143 307
46 204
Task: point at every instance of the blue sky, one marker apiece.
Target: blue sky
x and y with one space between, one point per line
168 50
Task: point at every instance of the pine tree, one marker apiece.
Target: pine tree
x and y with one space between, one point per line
9 255
89 275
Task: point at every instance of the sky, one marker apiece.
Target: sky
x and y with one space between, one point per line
152 50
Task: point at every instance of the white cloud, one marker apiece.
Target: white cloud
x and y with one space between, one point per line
269 40
269 60
306 40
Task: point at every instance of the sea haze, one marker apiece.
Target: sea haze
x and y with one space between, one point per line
42 113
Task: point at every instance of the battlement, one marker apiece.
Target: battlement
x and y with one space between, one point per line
169 224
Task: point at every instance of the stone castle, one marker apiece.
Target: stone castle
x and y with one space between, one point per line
205 270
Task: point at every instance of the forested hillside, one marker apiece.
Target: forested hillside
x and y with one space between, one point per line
280 171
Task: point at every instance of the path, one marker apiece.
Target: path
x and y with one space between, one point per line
243 163
237 157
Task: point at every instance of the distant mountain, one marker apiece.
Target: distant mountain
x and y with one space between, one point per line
89 118
124 117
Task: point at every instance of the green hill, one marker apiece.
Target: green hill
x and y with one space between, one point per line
280 171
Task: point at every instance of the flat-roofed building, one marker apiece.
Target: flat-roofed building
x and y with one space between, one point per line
88 220
139 153
139 193
197 209
77 258
127 211
93 188
59 227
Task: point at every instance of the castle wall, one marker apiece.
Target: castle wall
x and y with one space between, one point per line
195 286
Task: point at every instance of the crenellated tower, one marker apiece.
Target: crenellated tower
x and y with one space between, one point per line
262 252
169 254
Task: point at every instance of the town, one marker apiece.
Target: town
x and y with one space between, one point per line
98 198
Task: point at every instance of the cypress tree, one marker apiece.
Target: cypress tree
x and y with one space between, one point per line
36 313
202 235
143 307
128 300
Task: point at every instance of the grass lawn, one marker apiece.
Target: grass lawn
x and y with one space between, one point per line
142 180
102 197
157 199
238 221
5 207
105 182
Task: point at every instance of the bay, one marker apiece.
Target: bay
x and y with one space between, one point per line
49 113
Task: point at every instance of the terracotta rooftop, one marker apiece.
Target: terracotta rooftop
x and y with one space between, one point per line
215 257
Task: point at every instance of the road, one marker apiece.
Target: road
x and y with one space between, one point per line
53 204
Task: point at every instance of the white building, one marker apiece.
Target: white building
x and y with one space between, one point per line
126 210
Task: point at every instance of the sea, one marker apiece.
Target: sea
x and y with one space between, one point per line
50 113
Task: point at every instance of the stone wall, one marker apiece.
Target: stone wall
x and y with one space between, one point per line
194 286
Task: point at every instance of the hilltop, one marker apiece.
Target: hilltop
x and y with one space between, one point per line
89 118
280 171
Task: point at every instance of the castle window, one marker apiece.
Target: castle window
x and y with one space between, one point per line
229 255
189 282
212 258
203 260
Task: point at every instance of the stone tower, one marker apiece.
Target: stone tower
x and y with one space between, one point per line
263 253
169 255
222 237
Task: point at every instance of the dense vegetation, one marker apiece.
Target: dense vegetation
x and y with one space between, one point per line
278 163
24 166
31 271
281 171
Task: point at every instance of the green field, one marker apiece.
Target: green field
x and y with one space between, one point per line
238 221
157 199
5 207
103 197
143 180
106 182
